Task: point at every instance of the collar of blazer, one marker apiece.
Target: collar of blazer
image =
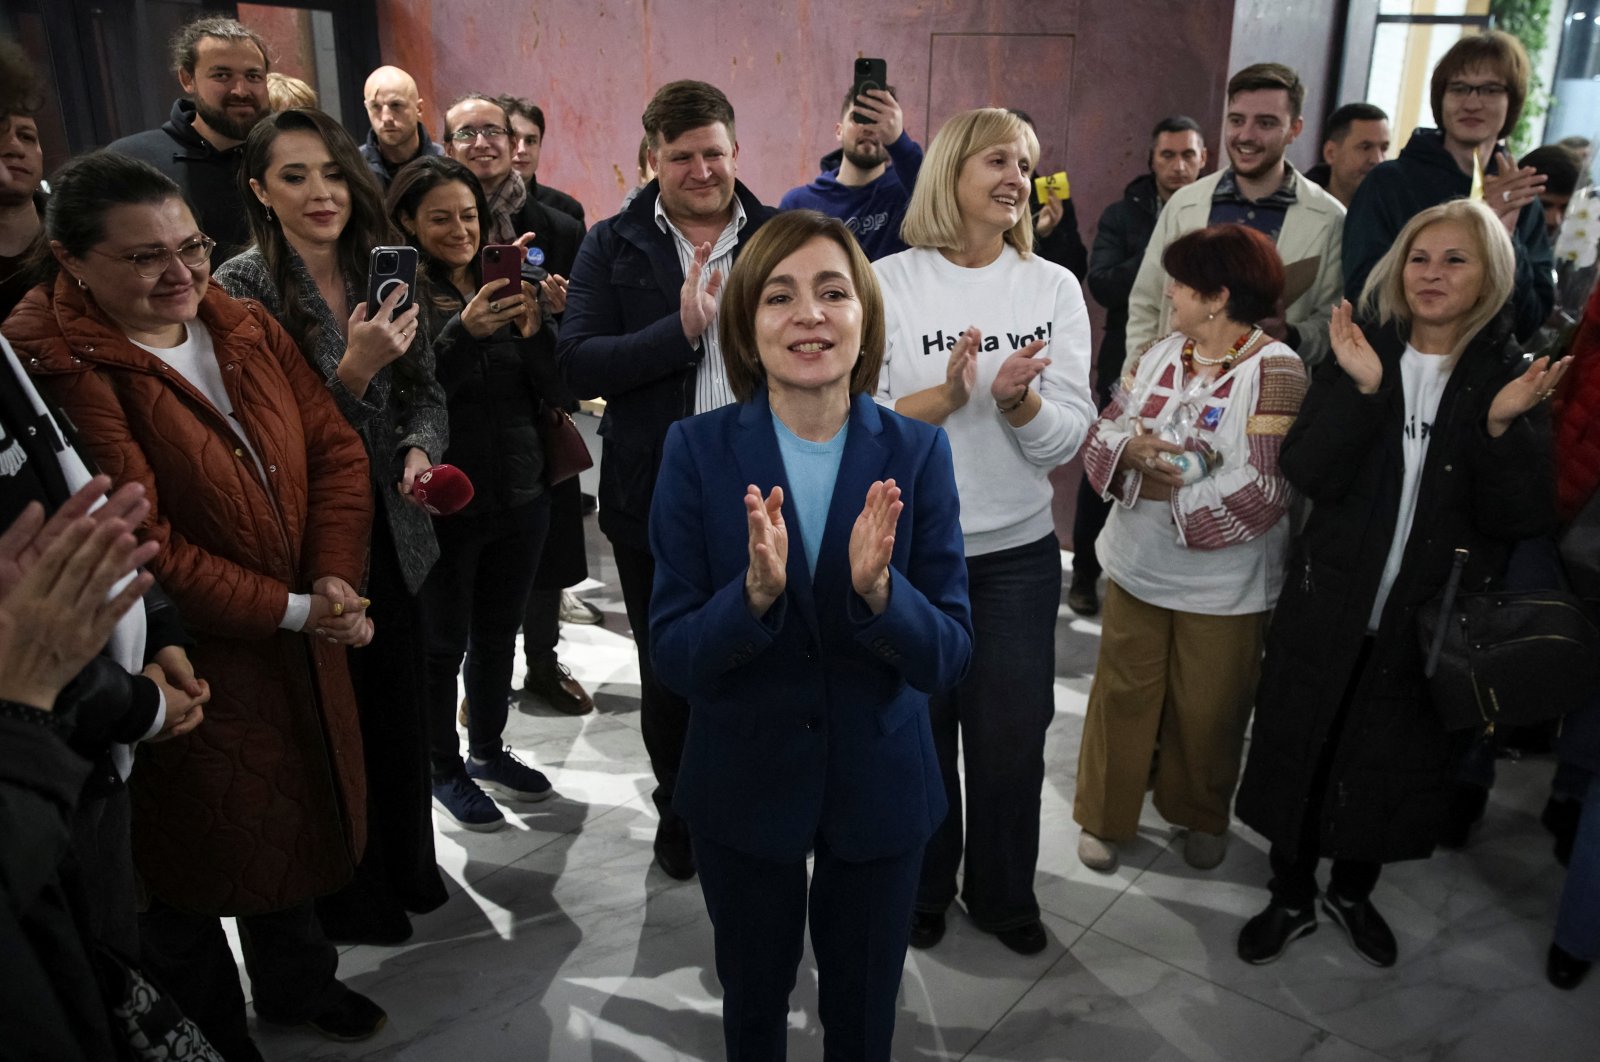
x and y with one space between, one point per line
862 463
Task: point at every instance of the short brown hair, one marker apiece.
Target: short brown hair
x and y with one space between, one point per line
522 108
680 106
20 86
741 297
1233 257
186 42
1491 48
1270 76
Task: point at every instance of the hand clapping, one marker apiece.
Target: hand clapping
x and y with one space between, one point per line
1352 351
697 302
1526 391
768 573
872 544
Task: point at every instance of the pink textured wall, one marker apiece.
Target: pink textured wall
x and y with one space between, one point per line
1304 34
1091 79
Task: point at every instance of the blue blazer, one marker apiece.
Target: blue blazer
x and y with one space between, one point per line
813 719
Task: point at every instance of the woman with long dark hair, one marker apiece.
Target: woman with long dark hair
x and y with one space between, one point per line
315 215
496 359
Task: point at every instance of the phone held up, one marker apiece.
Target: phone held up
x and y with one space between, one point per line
870 74
502 261
388 267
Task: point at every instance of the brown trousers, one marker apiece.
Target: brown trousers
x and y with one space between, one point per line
1171 699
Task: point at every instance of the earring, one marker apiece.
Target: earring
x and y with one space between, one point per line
81 284
1212 316
268 209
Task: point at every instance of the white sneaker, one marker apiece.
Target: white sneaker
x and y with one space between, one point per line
575 609
1203 851
1097 854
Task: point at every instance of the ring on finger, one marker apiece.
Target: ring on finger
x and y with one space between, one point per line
494 307
1505 196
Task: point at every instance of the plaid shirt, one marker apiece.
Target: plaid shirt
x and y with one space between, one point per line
1266 215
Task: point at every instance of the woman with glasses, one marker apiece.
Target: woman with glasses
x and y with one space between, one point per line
260 500
315 216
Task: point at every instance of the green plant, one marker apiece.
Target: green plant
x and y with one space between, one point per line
1527 21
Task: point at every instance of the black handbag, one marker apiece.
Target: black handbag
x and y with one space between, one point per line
1506 657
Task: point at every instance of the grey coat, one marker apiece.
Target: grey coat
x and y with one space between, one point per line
404 406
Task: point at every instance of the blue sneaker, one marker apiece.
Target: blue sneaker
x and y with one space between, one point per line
509 776
466 805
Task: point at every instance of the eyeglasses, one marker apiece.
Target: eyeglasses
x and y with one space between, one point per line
151 264
1460 90
468 133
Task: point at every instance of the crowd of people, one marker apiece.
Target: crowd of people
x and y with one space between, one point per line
232 630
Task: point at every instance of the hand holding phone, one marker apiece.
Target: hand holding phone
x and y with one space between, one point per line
388 268
869 74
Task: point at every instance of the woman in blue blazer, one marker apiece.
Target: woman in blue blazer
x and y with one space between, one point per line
810 593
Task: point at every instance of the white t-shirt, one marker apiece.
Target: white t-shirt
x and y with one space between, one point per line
1002 472
1422 381
195 359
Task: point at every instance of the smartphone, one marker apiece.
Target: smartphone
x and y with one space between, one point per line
502 261
387 267
870 74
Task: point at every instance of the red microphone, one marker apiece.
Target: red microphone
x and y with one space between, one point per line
442 489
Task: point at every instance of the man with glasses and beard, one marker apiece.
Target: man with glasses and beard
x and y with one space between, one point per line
222 66
866 182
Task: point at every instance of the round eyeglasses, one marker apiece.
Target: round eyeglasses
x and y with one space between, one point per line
151 264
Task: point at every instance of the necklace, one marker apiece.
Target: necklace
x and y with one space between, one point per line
1191 358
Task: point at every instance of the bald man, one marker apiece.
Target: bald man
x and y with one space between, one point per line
397 135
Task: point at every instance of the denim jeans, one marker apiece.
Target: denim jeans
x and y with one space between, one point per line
1578 920
475 596
998 715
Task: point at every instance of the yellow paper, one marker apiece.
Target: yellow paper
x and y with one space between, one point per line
1477 176
1056 182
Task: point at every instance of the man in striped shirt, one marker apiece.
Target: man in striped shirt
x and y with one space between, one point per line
640 331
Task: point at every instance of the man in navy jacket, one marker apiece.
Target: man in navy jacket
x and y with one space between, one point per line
640 332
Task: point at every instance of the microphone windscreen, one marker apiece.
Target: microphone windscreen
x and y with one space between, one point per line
442 489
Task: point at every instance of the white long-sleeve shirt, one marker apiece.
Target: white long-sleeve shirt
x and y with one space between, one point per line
1002 472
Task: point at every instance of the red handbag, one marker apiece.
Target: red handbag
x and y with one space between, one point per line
565 452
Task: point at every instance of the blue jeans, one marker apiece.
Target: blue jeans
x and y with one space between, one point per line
999 715
475 595
1578 920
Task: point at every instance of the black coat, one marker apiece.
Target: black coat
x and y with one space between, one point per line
208 177
559 200
1393 765
622 339
1119 243
494 390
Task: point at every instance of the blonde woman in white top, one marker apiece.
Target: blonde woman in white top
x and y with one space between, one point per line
991 342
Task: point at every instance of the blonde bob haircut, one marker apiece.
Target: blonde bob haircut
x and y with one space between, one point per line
1385 293
934 217
741 299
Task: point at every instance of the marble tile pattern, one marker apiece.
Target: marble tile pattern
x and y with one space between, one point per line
561 941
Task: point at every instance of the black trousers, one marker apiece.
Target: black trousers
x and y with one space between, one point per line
663 715
562 563
291 967
1294 879
860 915
399 871
475 595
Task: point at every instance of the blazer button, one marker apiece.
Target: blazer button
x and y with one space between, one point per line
814 723
238 451
272 468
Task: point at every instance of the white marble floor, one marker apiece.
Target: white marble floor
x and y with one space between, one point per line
562 942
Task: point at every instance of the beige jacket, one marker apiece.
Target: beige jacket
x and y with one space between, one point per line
1313 227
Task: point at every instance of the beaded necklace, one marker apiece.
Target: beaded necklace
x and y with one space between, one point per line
1240 345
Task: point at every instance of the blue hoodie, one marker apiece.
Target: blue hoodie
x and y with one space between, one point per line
875 210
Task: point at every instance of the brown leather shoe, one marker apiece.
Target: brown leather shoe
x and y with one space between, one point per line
553 684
